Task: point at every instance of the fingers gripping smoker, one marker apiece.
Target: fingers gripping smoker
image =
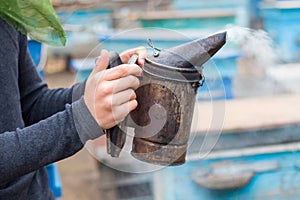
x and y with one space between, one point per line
166 98
115 136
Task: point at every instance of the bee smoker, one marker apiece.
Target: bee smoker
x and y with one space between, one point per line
166 98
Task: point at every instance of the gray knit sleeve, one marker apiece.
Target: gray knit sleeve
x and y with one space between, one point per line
85 124
78 91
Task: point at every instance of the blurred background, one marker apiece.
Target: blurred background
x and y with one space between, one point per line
247 111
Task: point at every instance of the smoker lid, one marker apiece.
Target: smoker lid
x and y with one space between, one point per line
173 73
184 62
190 54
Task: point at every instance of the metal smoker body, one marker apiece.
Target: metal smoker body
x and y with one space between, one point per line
165 113
166 98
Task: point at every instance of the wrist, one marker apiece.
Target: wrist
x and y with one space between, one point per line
86 126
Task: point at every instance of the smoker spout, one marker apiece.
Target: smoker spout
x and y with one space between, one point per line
194 53
212 44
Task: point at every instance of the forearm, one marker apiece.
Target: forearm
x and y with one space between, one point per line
50 140
37 100
45 102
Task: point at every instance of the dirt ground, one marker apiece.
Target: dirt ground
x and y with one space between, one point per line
79 174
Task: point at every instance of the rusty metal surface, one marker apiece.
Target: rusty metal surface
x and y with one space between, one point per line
166 98
115 140
162 120
162 139
159 154
166 72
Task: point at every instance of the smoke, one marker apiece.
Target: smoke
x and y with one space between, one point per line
256 44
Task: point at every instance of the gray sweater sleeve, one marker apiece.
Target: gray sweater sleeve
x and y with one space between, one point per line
85 124
38 126
30 148
55 138
37 100
40 102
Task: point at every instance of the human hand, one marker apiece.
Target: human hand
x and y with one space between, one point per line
109 93
140 51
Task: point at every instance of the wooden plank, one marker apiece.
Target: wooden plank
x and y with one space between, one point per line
173 14
246 114
247 139
280 5
247 152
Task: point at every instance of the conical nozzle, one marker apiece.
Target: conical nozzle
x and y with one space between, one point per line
194 53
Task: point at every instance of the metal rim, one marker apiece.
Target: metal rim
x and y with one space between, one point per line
172 73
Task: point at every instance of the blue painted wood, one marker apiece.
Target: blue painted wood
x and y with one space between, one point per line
215 23
35 50
275 184
240 7
282 23
276 174
87 17
54 180
196 4
249 138
219 73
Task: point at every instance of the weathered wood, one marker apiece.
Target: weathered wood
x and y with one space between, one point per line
246 139
173 14
246 114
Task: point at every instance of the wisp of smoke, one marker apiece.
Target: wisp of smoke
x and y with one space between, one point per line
254 43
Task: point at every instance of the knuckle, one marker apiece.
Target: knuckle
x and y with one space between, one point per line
139 70
107 103
132 94
105 89
103 104
134 81
123 70
133 105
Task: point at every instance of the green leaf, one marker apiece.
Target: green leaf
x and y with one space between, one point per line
37 18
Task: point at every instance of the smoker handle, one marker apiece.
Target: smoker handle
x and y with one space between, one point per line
225 176
115 137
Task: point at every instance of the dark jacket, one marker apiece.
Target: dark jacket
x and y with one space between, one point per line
38 126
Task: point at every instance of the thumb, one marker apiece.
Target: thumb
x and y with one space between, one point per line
102 61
